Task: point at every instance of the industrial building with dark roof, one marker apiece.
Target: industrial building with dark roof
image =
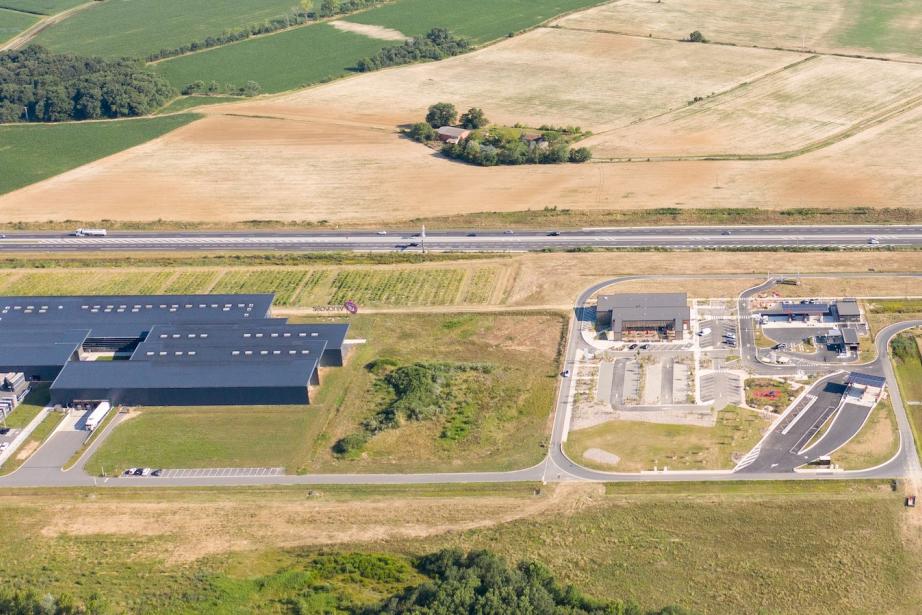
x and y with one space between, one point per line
183 350
644 316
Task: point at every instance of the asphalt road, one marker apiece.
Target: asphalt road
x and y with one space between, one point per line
478 241
555 466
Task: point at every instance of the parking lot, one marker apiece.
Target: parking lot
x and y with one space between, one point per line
221 472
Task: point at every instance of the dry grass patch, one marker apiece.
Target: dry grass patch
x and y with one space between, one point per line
878 441
376 32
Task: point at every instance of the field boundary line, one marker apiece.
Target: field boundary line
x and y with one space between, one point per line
834 54
46 21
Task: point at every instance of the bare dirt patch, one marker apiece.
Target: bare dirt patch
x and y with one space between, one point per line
371 31
599 456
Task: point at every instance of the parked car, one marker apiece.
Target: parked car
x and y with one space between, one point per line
632 347
565 373
645 346
138 472
156 472
4 446
5 430
146 472
129 472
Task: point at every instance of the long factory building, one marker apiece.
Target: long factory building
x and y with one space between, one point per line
168 350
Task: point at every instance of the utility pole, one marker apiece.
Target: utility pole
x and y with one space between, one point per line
422 239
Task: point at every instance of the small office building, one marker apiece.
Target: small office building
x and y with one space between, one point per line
644 316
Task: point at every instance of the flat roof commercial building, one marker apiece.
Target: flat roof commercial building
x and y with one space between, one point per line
644 316
176 350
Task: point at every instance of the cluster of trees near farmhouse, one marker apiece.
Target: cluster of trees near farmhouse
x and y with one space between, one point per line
39 86
437 44
299 15
496 146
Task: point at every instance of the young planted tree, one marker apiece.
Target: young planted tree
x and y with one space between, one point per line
421 132
441 114
697 37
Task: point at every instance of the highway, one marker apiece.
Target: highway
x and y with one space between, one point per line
662 237
556 466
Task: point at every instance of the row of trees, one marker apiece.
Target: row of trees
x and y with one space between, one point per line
39 86
437 44
297 16
250 88
481 582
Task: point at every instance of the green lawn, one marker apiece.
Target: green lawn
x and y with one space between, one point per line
35 152
641 446
883 26
909 376
284 61
42 7
480 20
38 435
37 399
184 103
504 427
877 441
206 437
138 28
14 22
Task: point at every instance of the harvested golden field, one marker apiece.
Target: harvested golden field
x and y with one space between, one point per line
334 153
547 76
819 99
891 29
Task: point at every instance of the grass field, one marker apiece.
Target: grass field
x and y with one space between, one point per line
909 377
14 22
206 438
32 153
843 26
286 284
37 399
480 20
35 439
137 28
877 441
324 53
40 7
641 446
711 547
506 423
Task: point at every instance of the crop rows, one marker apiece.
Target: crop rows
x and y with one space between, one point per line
425 287
88 283
190 282
480 287
284 283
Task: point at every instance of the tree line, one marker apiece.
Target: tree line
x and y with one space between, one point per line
496 146
39 86
297 16
437 44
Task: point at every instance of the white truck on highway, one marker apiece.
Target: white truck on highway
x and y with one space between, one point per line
90 232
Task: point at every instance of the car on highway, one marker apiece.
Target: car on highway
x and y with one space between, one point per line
554 234
874 241
382 233
2 236
508 232
472 234
727 233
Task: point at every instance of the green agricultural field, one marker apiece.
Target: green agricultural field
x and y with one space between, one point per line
184 103
88 282
283 61
641 446
14 22
285 283
883 26
40 7
137 28
408 287
186 282
502 430
480 20
32 153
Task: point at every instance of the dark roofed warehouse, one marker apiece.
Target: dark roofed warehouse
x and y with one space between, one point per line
178 350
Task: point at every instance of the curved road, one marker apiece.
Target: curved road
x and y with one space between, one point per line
556 466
